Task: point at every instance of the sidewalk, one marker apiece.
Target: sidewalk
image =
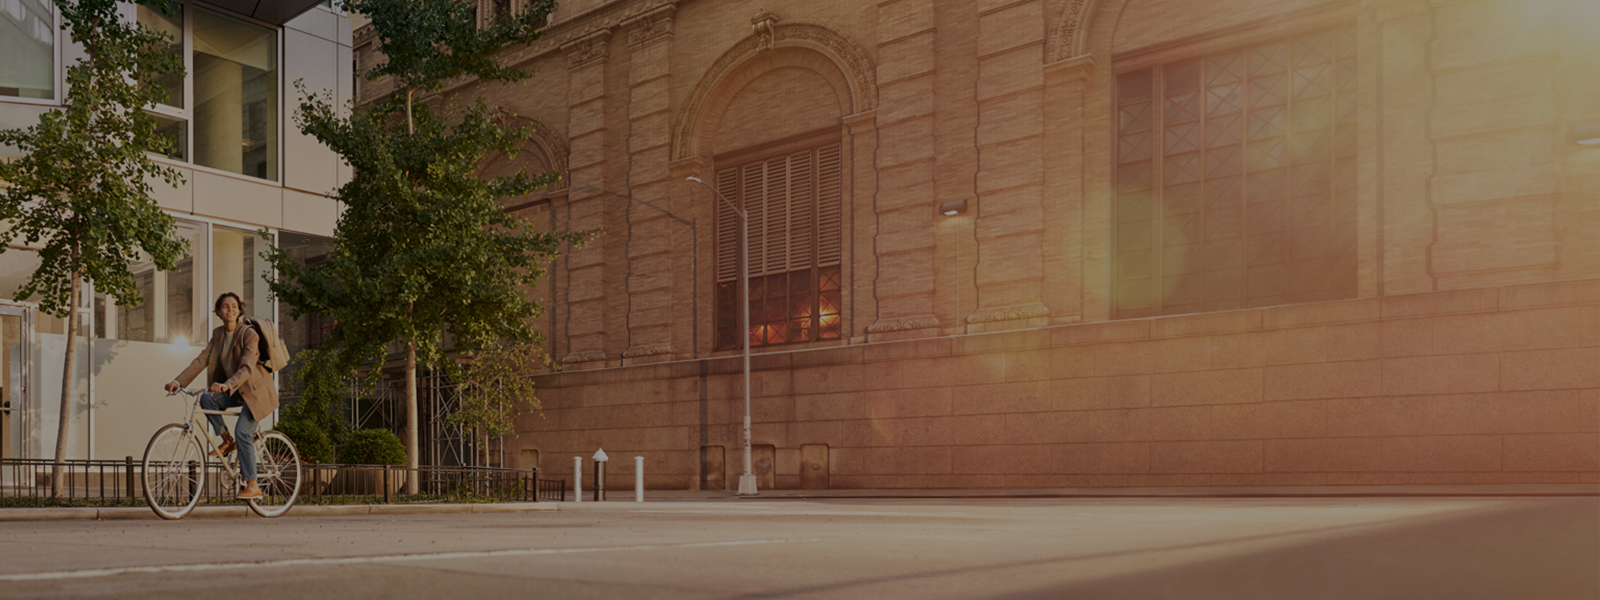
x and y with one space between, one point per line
202 512
625 497
1372 491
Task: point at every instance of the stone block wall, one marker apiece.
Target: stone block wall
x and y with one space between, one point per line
1496 385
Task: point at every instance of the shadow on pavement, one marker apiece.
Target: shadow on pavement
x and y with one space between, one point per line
1536 552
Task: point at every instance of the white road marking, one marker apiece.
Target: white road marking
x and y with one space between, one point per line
356 560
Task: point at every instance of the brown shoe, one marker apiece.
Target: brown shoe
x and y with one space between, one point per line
227 446
251 491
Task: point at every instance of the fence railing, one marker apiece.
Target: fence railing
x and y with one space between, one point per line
120 480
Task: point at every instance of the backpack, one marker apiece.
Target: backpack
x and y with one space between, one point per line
274 355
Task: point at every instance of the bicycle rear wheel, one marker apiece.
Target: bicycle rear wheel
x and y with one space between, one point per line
278 474
174 471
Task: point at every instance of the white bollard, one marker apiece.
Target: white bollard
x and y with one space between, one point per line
577 479
638 479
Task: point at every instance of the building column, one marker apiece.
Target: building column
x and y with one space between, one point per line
1403 89
651 231
586 134
1066 89
1010 139
905 239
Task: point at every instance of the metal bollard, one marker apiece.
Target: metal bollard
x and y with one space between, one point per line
600 459
577 479
638 479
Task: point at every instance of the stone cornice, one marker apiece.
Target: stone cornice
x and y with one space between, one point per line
587 50
904 324
1010 313
604 18
653 26
1072 69
648 351
583 357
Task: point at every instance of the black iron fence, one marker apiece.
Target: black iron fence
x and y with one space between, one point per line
119 480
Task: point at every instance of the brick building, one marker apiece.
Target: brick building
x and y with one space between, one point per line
1191 242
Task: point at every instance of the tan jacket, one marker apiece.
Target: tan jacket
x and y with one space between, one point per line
247 376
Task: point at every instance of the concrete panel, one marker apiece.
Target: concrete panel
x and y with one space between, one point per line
237 199
308 165
129 405
309 213
177 198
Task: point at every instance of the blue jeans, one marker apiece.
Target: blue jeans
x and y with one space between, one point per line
243 433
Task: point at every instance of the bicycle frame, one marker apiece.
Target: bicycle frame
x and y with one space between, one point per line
196 419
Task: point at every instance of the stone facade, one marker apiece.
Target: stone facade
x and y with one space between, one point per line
1014 344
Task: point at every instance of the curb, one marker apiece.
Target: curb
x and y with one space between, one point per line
205 512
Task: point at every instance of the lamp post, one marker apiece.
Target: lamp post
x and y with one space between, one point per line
747 481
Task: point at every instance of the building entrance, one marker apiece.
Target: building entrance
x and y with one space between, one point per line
14 330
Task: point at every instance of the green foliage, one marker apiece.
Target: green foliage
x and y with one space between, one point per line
496 387
428 42
372 447
81 188
309 439
322 391
424 244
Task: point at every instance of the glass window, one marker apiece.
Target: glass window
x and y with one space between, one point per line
310 330
1236 178
172 25
27 49
235 95
237 267
795 248
175 303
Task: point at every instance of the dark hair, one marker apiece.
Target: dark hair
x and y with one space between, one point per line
216 308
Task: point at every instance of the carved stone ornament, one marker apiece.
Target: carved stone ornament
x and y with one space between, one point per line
588 50
1067 37
648 351
583 357
650 27
904 324
562 34
1011 313
853 62
762 26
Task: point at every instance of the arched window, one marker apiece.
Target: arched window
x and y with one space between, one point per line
793 198
1235 178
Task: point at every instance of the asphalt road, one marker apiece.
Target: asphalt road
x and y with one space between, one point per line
1280 548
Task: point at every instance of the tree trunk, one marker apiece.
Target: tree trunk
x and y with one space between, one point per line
411 419
57 481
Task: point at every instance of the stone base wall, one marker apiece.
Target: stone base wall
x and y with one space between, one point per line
1494 385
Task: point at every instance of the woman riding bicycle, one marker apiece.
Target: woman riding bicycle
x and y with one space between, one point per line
232 364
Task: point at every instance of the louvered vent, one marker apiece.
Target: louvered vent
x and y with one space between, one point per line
830 185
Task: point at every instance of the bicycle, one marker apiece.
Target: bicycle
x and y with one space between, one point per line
175 465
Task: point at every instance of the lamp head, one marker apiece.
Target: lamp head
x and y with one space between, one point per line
953 207
693 178
1585 135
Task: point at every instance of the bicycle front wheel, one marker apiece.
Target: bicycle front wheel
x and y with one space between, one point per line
174 471
278 473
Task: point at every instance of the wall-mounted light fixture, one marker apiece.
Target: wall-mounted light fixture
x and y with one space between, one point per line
1585 135
953 207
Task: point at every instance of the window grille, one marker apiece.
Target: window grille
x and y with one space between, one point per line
1236 178
794 203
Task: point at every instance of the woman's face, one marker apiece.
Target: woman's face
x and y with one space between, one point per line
229 310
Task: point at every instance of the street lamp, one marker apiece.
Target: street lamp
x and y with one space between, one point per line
747 481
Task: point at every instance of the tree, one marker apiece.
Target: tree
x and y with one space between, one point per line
424 245
495 386
81 188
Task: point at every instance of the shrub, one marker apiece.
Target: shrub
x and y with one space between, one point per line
310 440
372 447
